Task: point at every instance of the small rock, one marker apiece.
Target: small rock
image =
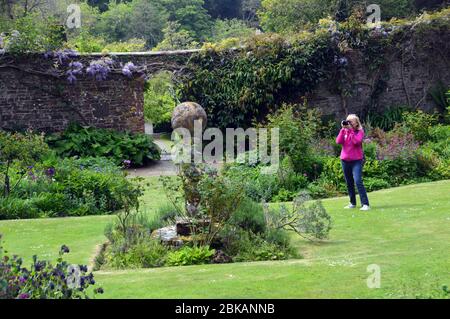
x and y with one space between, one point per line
168 235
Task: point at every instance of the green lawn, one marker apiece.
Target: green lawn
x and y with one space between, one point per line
406 234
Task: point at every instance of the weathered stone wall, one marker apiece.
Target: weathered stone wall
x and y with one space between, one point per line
31 99
401 81
42 102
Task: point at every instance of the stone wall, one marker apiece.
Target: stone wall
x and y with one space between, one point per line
32 99
42 102
401 81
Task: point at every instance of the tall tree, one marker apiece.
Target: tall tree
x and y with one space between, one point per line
224 9
191 14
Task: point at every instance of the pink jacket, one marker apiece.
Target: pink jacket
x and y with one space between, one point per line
351 141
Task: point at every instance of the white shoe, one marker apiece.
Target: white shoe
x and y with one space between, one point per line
365 208
350 206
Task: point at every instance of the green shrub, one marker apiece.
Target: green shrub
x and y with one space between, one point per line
18 152
370 150
279 237
30 34
284 196
373 184
146 253
139 149
70 187
186 256
419 123
249 216
296 135
14 208
162 217
260 185
246 246
387 119
440 140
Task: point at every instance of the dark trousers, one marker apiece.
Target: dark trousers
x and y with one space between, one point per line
353 175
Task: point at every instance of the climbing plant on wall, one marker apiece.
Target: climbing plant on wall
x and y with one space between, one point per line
237 87
240 86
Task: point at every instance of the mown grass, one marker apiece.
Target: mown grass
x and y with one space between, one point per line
406 234
44 237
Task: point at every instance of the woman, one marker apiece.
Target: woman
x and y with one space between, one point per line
352 158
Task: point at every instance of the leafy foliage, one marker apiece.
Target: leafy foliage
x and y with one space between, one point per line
69 187
237 87
160 101
176 38
22 150
136 149
190 256
29 34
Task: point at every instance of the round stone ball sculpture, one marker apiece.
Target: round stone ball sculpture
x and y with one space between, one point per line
185 115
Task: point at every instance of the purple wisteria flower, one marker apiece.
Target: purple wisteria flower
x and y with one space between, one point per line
100 69
75 68
128 69
24 296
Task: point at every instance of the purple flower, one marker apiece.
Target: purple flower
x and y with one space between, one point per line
50 172
128 69
71 53
48 54
71 78
76 65
131 66
127 72
83 268
99 69
24 296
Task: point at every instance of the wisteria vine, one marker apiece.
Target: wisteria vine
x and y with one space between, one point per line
98 69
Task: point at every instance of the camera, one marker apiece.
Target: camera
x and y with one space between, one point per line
345 123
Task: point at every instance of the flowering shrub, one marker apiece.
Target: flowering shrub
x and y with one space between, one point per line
398 145
69 187
43 280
